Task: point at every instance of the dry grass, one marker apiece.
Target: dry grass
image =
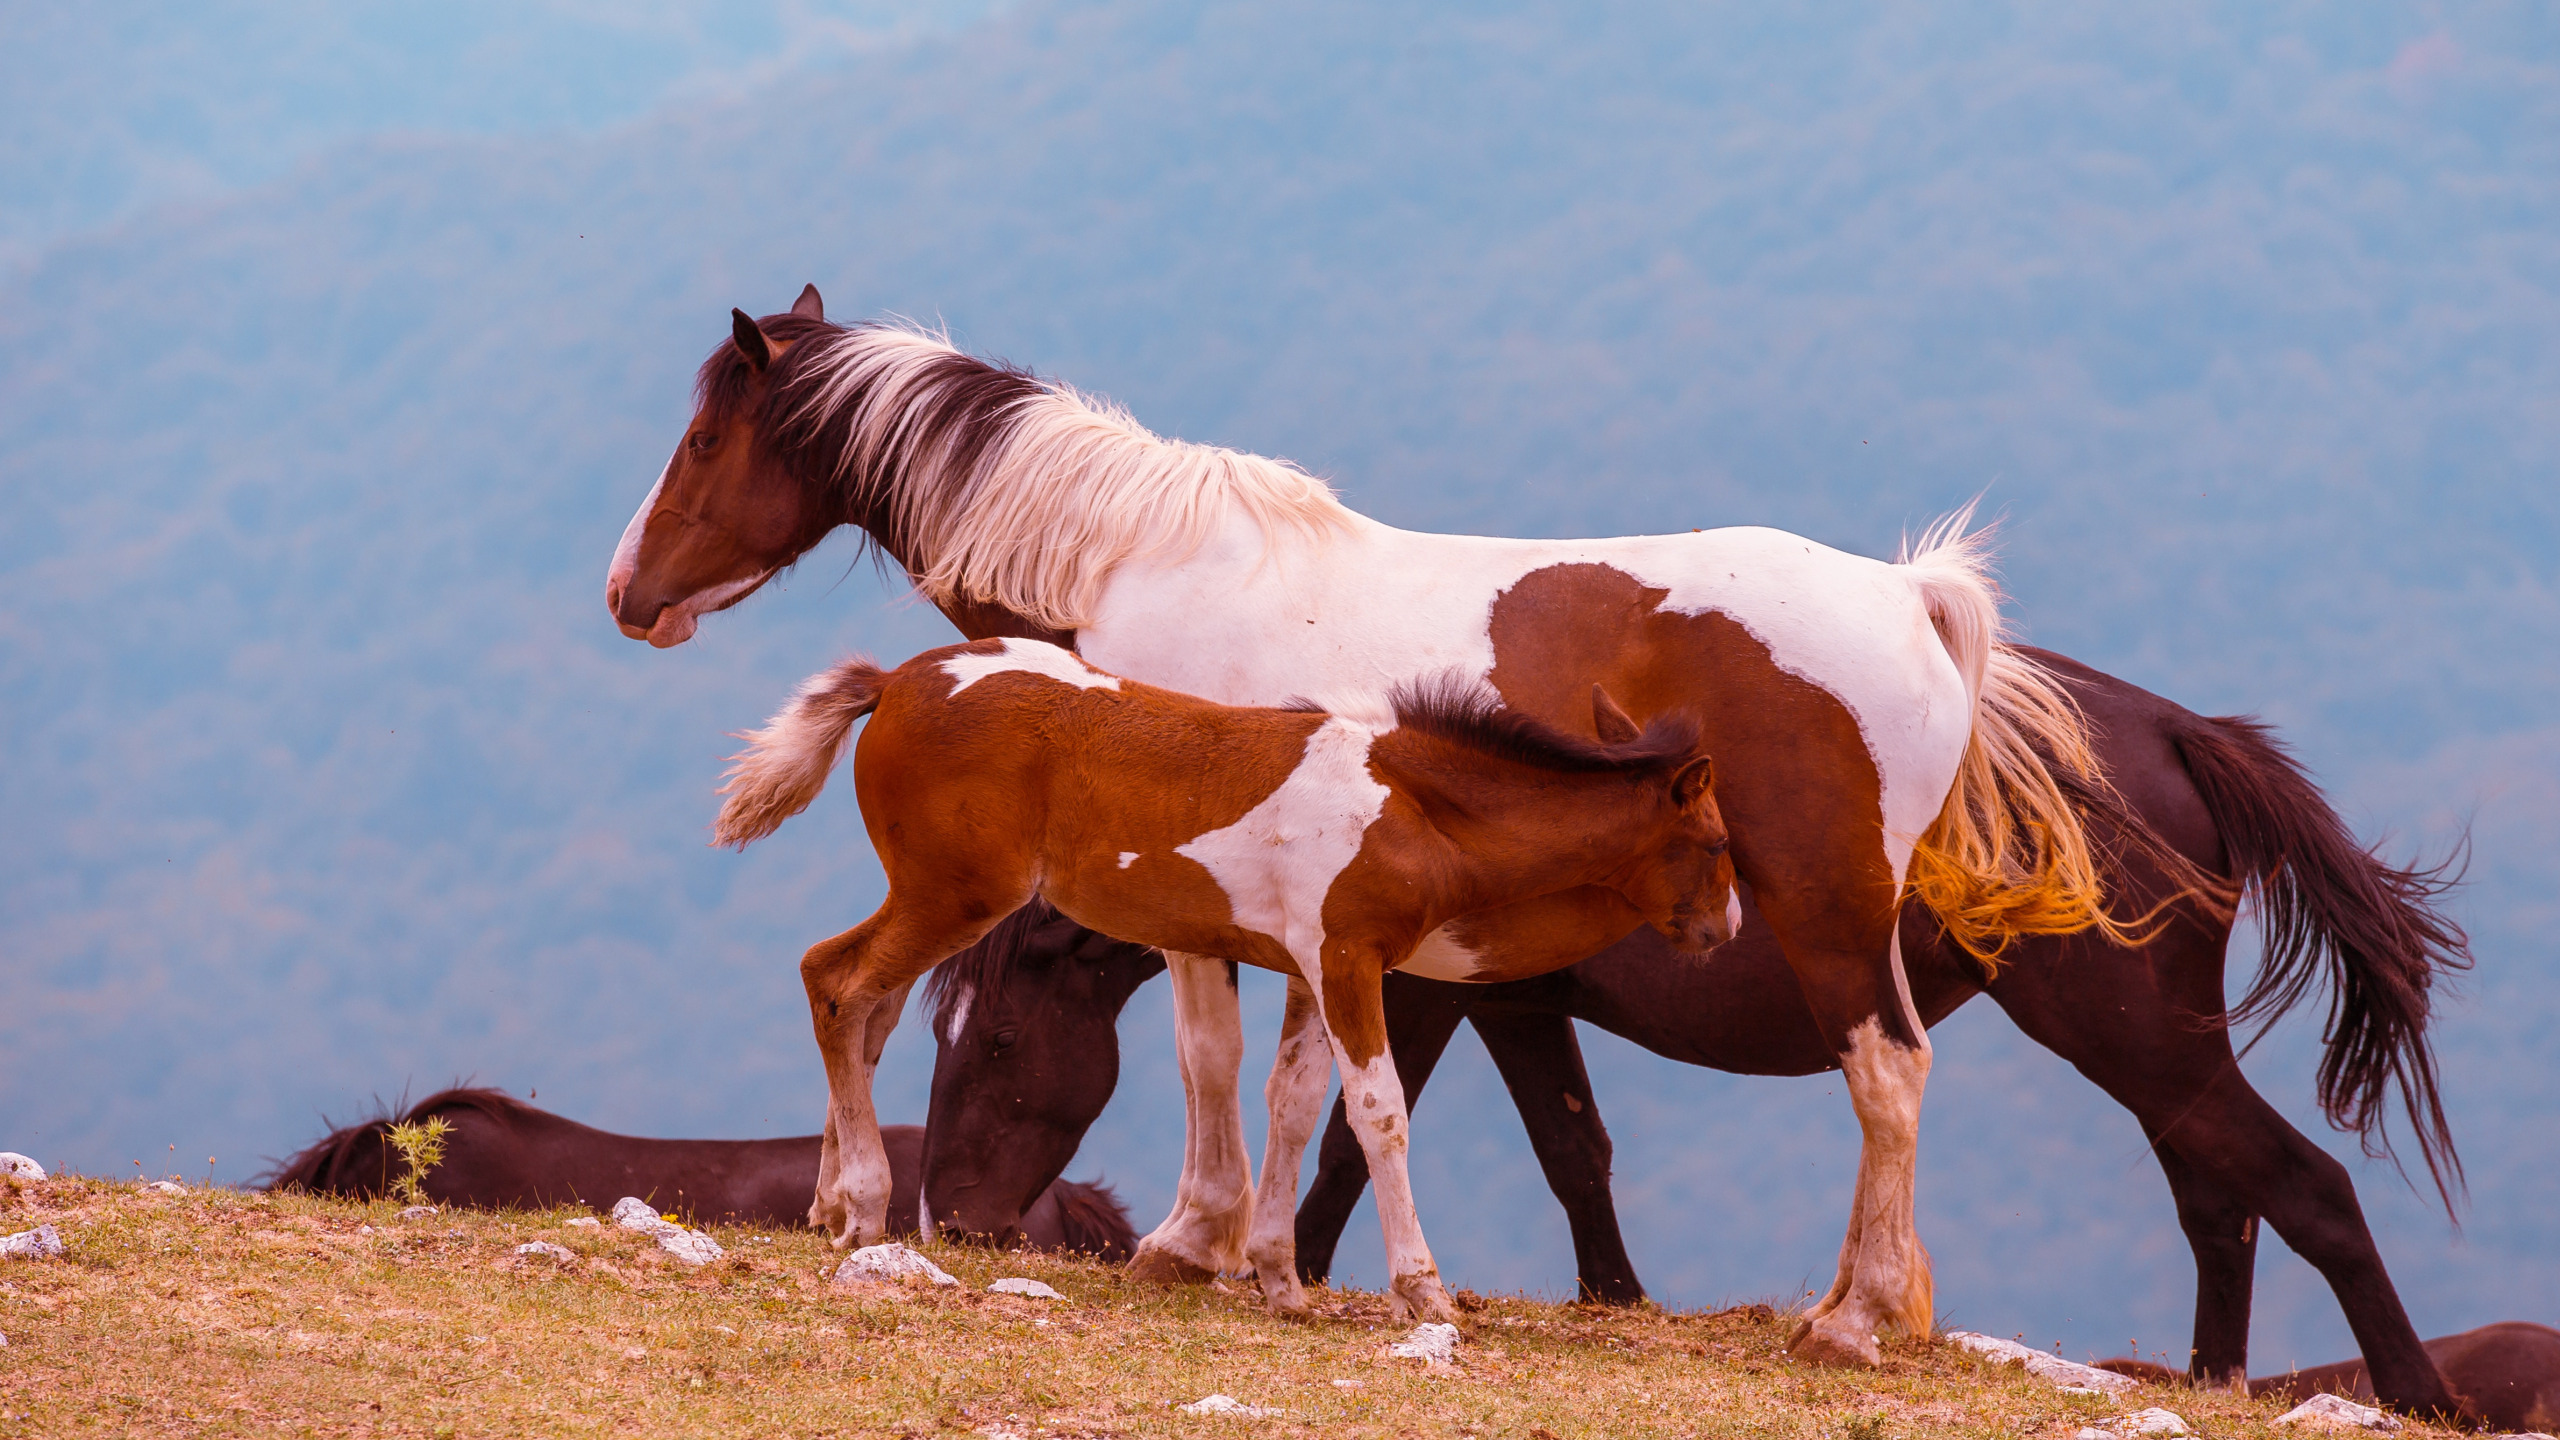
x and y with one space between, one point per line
219 1313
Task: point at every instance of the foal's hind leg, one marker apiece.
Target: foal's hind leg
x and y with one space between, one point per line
857 984
1296 1097
1204 1236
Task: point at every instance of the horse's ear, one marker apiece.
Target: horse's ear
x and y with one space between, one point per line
1612 723
1693 782
809 306
751 341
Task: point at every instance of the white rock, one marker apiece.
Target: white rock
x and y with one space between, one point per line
2052 1369
19 1167
690 1246
889 1263
2154 1421
1431 1344
42 1243
1228 1405
2332 1412
633 1213
165 1187
561 1253
418 1212
1016 1285
589 1221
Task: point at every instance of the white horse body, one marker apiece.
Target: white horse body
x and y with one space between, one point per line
1340 619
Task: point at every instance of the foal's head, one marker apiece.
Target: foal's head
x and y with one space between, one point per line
1640 800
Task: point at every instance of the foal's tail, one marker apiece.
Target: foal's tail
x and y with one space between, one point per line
2009 854
786 763
2332 913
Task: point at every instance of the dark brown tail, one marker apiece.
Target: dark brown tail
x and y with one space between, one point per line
2333 913
1095 1221
786 763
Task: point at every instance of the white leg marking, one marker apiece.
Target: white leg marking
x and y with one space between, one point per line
1373 1100
1213 1202
1296 1095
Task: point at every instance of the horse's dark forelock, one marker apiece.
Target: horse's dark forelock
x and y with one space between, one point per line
958 410
1453 708
986 967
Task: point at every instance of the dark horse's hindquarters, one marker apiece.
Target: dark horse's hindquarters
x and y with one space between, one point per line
505 1154
2144 1024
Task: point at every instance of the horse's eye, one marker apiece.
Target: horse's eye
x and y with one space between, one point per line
1005 1039
702 441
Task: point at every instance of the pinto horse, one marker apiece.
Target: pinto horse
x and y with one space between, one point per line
1315 845
1878 732
504 1154
1027 1049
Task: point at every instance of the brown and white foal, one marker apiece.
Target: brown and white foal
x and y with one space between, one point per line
1311 844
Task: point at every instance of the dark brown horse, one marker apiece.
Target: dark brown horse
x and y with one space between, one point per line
2509 1374
2149 1025
504 1154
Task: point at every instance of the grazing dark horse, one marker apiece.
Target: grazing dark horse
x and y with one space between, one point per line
2149 1025
504 1154
1878 732
2509 1374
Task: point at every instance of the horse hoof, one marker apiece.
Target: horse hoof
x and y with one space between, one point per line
1425 1306
1163 1267
1288 1299
1825 1345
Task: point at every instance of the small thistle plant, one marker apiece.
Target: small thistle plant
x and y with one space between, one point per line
421 1148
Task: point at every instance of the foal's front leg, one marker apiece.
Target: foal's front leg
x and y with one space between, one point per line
1295 1094
1204 1236
1355 1021
857 985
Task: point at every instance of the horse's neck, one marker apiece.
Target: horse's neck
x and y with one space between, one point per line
974 619
1513 831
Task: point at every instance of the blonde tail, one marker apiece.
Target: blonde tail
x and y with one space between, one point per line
2008 855
786 763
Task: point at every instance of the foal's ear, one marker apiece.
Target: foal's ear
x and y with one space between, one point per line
809 306
1693 782
751 341
1613 724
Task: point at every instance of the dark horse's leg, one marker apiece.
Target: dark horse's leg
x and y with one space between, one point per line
1421 1016
1541 1062
2222 1232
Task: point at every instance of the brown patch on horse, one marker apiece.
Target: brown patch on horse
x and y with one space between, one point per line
1791 760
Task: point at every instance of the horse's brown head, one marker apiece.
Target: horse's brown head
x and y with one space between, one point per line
727 513
1681 878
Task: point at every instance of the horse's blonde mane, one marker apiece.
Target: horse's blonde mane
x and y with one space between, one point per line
1021 493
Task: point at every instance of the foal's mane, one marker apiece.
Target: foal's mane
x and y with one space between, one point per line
1455 709
993 485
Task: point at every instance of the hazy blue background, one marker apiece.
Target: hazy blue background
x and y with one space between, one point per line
336 346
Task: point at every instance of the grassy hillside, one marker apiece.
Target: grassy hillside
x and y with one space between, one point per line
218 1313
